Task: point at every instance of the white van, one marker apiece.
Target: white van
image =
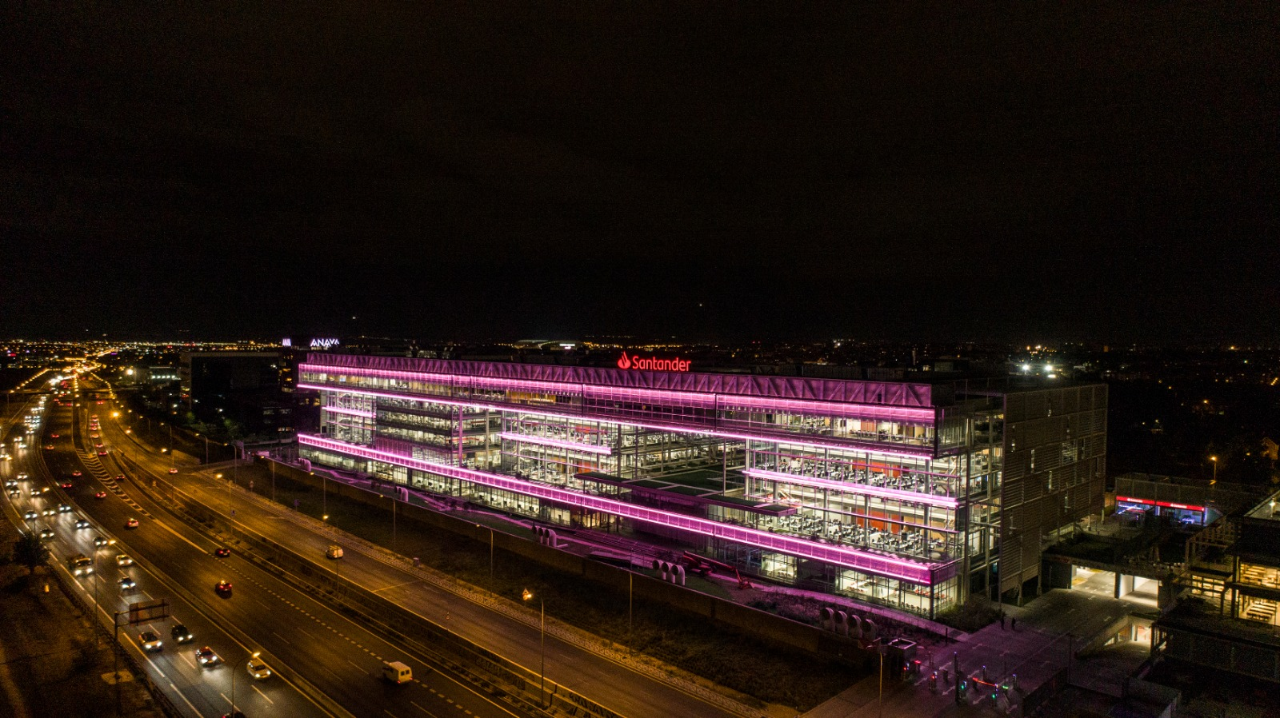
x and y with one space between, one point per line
397 672
335 551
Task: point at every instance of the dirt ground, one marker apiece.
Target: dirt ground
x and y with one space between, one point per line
49 664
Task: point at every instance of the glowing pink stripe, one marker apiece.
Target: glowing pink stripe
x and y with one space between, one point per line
922 452
921 573
852 488
344 410
686 398
529 439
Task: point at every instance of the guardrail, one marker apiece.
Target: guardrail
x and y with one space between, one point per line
179 500
565 633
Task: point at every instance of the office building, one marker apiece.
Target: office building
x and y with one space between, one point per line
908 495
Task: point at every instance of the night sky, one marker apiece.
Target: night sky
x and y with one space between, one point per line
706 170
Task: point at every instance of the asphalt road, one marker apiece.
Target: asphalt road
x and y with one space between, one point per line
294 631
614 685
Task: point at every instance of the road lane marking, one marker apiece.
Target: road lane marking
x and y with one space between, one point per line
264 695
277 635
357 665
189 661
184 700
424 710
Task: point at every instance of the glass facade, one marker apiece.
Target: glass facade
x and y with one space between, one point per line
885 499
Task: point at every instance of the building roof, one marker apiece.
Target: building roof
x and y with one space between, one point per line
885 393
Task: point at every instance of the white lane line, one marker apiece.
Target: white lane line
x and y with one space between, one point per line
184 700
189 661
277 635
264 695
393 715
191 543
424 710
357 665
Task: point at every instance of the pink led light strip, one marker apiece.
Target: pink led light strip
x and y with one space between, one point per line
869 412
852 488
351 412
544 441
921 573
922 453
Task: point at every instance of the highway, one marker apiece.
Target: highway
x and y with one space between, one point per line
613 684
299 636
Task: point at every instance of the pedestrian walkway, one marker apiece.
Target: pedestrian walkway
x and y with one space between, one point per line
1033 644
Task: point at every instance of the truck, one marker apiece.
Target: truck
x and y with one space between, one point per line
80 565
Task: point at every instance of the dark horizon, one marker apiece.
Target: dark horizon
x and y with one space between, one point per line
715 173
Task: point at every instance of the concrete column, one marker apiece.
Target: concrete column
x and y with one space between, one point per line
1116 592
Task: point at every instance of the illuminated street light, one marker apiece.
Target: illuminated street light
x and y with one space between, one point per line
527 595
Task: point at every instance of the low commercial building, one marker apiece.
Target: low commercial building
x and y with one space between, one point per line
909 495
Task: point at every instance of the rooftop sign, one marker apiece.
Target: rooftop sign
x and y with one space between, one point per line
652 363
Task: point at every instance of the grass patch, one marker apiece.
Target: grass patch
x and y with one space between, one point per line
973 615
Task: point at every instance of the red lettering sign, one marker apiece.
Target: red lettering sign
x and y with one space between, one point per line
640 363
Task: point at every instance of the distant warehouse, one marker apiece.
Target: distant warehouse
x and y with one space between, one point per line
908 495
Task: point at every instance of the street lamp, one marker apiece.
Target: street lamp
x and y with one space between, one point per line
1214 459
490 551
542 641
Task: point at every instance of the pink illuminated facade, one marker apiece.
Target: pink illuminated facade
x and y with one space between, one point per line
889 492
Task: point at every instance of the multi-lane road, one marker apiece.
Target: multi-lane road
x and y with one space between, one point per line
325 663
614 684
336 662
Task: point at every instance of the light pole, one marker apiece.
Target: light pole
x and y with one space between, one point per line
880 699
542 645
1214 459
490 552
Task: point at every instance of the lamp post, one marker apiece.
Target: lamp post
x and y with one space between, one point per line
542 645
1214 459
880 699
490 552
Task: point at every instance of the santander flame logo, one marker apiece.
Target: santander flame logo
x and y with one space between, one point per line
652 363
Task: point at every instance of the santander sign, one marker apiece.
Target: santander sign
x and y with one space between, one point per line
652 364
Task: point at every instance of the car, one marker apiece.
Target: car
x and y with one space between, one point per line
258 668
99 401
93 436
54 435
334 552
49 512
222 552
14 493
76 472
127 584
68 485
222 588
119 477
64 508
102 453
48 446
131 524
181 633
23 476
206 657
46 534
97 446
173 469
82 523
150 641
124 560
11 484
30 515
99 541
236 714
100 495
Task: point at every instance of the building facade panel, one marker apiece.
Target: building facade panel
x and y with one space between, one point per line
888 492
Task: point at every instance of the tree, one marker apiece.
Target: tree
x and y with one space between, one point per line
30 551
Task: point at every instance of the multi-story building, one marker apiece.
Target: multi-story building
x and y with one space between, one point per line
889 492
